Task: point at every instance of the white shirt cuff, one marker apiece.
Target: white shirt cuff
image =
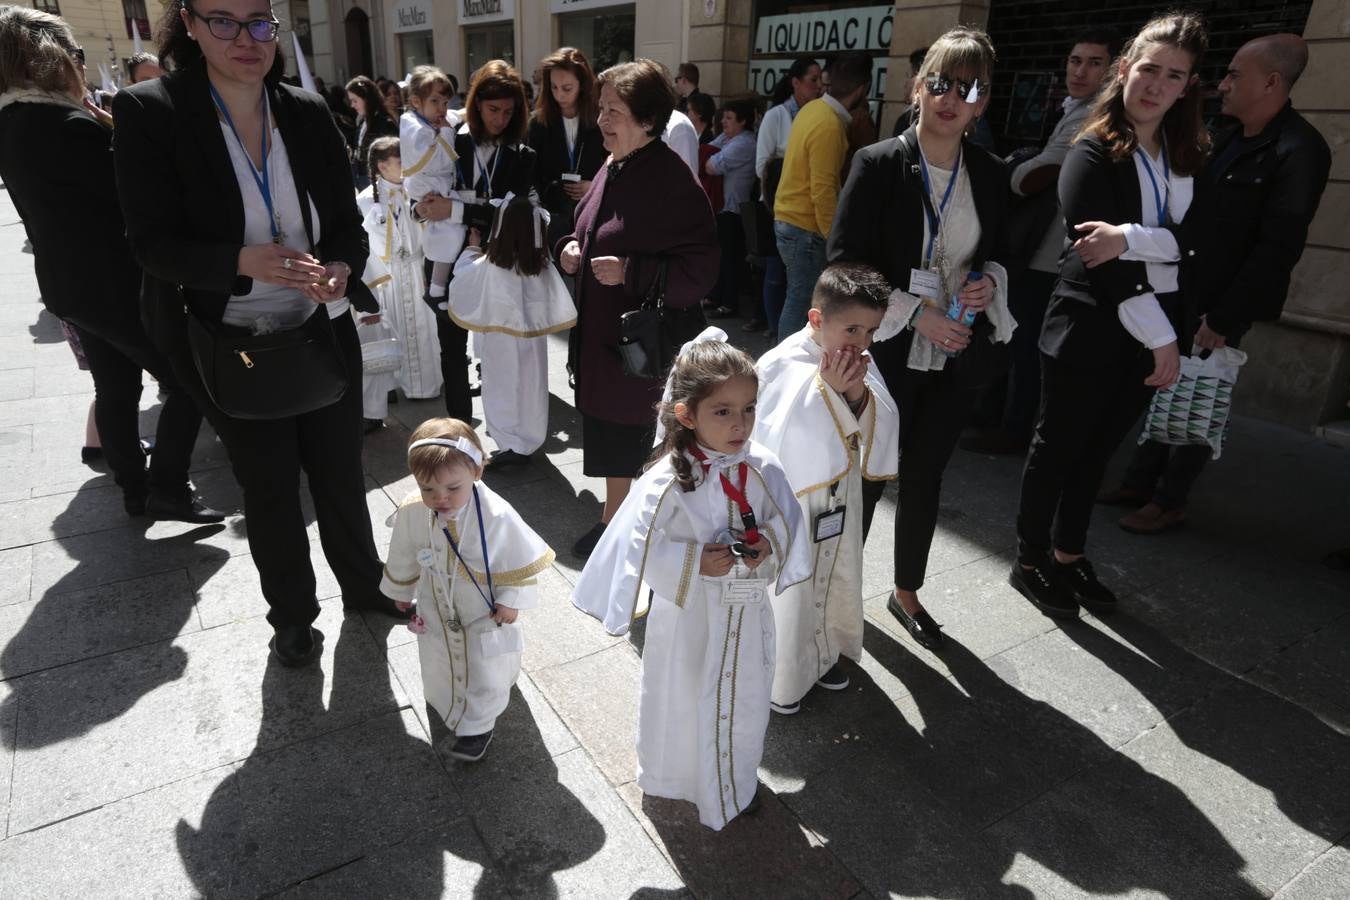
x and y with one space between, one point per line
1145 244
1144 319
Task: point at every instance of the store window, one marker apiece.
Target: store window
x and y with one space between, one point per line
415 49
487 43
133 11
300 25
606 37
49 6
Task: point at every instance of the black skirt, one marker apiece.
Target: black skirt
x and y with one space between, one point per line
614 450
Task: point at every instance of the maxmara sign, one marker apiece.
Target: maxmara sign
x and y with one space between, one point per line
414 16
473 12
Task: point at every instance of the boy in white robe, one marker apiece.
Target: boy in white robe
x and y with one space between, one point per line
471 563
704 529
827 414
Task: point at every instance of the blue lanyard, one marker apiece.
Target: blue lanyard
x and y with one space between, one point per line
1162 199
574 152
263 180
935 217
482 169
490 597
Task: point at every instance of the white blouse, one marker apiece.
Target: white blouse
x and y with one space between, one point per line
1156 247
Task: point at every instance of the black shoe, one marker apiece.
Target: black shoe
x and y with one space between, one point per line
90 455
471 748
1079 578
369 426
134 503
378 603
1039 585
786 709
505 459
586 543
296 645
392 397
920 626
476 390
833 680
182 508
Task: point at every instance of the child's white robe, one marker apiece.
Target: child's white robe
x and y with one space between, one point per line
469 663
822 445
706 667
430 165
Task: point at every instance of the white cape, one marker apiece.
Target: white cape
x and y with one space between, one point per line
487 298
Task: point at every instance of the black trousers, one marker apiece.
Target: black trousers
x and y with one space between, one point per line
933 412
1085 413
1166 473
1028 299
268 457
118 351
454 343
732 273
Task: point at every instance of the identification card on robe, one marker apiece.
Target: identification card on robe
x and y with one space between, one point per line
744 591
829 524
923 283
571 176
500 641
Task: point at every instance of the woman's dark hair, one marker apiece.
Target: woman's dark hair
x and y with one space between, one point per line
568 59
370 95
783 89
743 108
513 243
1182 126
139 59
497 80
178 51
703 106
380 149
697 372
644 87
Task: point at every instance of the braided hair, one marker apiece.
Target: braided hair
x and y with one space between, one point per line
381 149
698 371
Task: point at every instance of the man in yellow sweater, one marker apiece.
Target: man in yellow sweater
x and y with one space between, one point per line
803 208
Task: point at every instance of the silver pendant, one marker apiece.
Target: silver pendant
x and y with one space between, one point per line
455 626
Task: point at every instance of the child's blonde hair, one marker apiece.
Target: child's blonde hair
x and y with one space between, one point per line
697 372
425 462
425 79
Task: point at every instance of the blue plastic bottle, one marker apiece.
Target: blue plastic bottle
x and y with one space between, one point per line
957 311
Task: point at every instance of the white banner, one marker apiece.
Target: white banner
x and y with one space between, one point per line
476 12
566 6
863 28
414 16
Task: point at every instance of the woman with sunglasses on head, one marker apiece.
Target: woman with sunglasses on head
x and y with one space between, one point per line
238 201
928 210
1121 314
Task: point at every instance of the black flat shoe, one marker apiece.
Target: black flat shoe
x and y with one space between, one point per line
296 645
471 748
377 604
369 426
505 459
586 543
1079 578
921 627
185 508
90 455
1039 585
134 503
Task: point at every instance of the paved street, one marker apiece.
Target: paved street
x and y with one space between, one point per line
1194 745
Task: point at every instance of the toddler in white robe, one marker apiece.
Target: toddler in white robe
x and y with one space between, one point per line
705 528
471 563
511 296
427 136
828 416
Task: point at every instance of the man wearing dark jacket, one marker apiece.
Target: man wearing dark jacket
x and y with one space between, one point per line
1259 194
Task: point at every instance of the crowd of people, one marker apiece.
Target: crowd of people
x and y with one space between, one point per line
281 278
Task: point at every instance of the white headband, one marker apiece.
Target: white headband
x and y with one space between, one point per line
711 333
463 445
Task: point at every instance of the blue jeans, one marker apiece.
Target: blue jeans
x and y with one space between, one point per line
775 290
803 255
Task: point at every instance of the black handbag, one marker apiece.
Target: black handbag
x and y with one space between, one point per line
268 376
651 335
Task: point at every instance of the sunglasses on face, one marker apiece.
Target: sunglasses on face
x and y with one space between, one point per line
227 29
969 91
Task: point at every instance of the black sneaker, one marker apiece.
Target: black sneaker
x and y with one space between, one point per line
921 627
833 680
785 709
586 543
471 748
1039 585
1087 590
505 459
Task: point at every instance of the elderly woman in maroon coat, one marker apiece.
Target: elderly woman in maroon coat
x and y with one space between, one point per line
643 207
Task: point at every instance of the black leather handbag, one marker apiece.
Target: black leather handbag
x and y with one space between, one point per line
268 376
651 336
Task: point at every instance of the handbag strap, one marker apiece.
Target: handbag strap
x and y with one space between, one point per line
656 292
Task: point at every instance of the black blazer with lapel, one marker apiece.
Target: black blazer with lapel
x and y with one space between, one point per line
552 159
514 172
880 221
1082 324
182 203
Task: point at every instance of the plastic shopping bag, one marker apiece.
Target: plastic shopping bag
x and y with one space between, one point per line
1195 410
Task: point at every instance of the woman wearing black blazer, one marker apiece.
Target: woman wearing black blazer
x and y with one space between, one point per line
930 202
194 152
372 121
1121 313
492 163
568 146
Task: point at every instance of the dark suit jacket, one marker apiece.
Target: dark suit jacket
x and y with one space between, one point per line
183 207
1082 324
880 221
57 163
549 143
513 173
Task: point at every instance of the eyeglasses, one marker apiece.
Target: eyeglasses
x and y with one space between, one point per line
969 91
78 55
227 29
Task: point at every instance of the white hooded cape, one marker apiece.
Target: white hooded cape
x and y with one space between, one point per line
487 298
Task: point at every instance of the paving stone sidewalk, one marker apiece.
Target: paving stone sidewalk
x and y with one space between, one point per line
1194 745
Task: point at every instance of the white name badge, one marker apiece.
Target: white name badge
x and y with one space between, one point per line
496 641
744 591
571 176
923 283
426 557
467 196
829 524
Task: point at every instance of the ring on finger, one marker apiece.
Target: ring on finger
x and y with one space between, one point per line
286 263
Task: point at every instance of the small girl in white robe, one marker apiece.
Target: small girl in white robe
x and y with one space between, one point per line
394 271
427 135
471 563
705 528
511 296
826 412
